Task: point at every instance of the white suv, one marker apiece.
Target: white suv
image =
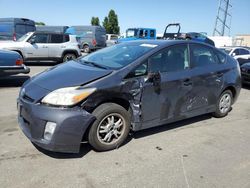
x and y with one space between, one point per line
241 54
44 46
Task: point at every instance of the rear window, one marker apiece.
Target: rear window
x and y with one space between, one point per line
113 37
82 33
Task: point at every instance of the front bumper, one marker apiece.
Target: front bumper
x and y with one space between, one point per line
70 128
10 70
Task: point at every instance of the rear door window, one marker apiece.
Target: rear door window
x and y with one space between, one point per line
202 56
56 38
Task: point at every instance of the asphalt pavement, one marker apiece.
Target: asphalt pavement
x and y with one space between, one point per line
198 152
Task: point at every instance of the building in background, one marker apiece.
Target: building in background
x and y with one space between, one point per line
242 40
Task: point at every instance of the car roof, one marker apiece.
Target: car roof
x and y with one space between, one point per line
51 32
165 42
234 47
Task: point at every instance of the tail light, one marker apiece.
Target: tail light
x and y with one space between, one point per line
94 42
19 62
14 36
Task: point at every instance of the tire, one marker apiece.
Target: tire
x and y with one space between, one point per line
222 108
111 127
68 56
86 48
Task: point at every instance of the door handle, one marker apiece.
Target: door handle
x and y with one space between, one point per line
45 46
219 74
187 82
63 46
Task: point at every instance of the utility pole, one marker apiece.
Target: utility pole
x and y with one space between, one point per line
223 19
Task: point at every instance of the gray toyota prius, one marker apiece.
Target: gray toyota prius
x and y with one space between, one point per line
129 86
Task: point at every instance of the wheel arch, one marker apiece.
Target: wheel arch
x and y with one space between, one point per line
69 51
116 100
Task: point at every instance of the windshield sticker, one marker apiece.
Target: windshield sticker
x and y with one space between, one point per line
149 45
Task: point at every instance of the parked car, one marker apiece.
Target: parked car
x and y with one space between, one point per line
245 72
45 46
138 34
241 54
52 28
111 39
11 63
133 85
90 37
15 28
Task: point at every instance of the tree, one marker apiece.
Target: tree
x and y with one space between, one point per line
39 23
95 21
111 24
105 24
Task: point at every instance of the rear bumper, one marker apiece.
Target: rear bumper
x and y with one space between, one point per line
245 78
71 125
10 70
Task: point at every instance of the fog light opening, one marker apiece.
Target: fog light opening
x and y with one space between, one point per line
49 130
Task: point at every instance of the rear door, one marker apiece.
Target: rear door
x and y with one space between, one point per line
39 49
207 78
56 45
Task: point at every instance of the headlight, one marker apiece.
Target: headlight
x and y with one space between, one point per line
67 96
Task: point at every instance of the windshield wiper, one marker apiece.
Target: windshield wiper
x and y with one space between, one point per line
94 64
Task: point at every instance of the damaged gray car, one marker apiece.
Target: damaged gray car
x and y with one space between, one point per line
129 86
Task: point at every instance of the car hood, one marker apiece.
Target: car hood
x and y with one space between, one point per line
10 44
68 74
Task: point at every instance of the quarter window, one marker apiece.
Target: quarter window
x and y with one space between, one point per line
66 38
202 56
171 59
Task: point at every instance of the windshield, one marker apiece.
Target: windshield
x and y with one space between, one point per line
131 32
117 56
23 37
227 50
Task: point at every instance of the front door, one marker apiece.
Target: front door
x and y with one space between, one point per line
165 97
38 49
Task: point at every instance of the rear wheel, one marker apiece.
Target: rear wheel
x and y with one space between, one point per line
69 56
224 104
110 128
86 48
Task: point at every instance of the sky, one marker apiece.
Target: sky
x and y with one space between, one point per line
194 15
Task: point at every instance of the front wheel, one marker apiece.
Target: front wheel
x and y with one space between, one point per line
110 128
224 104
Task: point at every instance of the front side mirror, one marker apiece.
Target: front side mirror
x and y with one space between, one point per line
155 78
233 54
32 41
